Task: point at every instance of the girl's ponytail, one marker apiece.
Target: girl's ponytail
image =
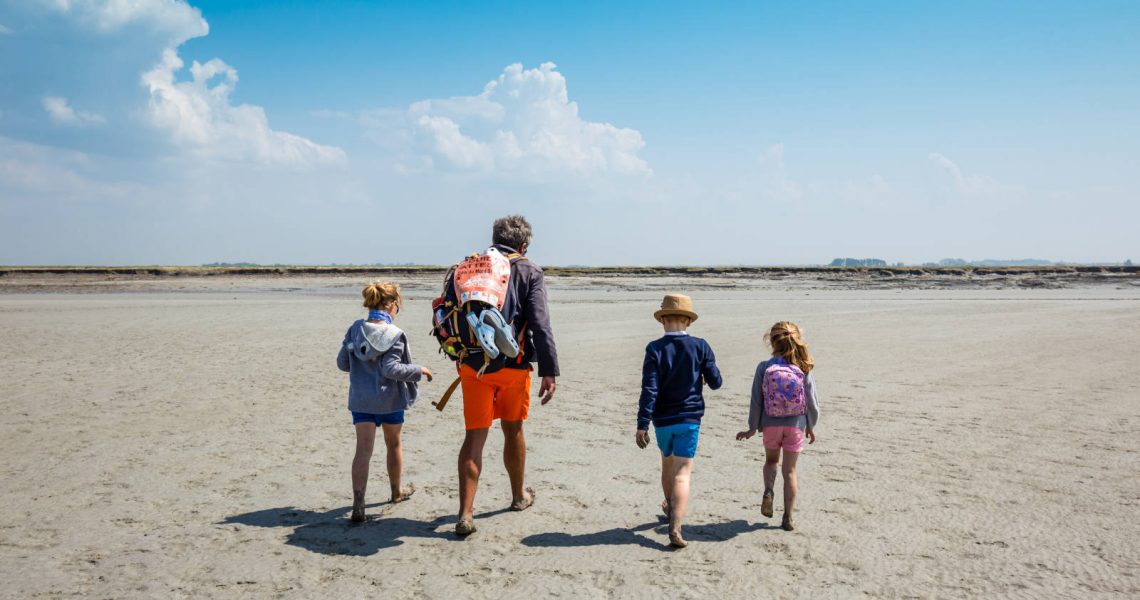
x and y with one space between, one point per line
788 345
378 295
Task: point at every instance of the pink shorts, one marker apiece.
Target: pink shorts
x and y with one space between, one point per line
791 439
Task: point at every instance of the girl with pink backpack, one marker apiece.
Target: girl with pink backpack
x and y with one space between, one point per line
785 408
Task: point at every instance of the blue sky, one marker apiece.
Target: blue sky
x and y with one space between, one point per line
734 133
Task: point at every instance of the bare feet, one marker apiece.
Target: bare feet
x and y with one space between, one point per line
766 503
789 523
357 507
465 526
666 509
404 493
675 539
525 502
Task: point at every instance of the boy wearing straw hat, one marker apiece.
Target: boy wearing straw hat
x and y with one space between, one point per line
675 370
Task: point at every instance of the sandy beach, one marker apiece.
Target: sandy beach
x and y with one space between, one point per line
193 441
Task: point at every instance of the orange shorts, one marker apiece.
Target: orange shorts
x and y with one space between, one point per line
504 394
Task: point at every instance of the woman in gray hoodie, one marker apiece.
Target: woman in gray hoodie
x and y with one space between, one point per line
382 384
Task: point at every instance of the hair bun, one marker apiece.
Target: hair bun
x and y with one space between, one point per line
378 294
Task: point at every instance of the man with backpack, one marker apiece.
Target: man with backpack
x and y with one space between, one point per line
496 385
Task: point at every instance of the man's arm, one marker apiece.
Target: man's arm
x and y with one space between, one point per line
537 315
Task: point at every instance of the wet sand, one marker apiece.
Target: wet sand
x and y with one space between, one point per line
164 442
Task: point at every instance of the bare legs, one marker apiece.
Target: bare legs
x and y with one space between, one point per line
514 459
395 451
791 486
365 441
771 464
471 465
676 474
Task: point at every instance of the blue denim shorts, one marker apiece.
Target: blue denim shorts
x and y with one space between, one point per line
678 440
392 418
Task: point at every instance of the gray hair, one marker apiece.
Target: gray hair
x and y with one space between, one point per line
511 230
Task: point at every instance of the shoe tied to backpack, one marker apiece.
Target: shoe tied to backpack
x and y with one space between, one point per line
494 334
504 334
484 334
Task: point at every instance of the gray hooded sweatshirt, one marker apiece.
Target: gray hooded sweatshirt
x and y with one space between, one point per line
381 376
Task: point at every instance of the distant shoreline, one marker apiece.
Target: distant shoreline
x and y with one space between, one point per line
649 271
280 278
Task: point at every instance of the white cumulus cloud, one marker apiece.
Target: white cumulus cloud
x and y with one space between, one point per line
118 61
201 118
173 18
523 123
62 113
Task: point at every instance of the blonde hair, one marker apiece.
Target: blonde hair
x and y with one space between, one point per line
788 345
379 294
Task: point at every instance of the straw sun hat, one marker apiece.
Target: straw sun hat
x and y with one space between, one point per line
676 304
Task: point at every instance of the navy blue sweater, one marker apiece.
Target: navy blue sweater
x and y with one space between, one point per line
675 369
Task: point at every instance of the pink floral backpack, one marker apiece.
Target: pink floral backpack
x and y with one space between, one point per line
783 388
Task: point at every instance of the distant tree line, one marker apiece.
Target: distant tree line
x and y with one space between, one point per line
858 262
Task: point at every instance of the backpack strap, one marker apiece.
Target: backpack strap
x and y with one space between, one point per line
446 395
515 256
448 280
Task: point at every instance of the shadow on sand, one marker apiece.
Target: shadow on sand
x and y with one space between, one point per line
331 532
631 536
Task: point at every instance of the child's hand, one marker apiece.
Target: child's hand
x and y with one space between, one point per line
810 435
427 373
642 438
744 435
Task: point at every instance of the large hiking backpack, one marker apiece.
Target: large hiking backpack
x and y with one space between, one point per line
783 387
466 317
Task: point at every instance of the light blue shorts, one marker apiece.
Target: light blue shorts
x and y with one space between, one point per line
678 440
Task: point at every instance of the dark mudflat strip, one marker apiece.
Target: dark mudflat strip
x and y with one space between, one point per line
151 272
663 271
293 278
